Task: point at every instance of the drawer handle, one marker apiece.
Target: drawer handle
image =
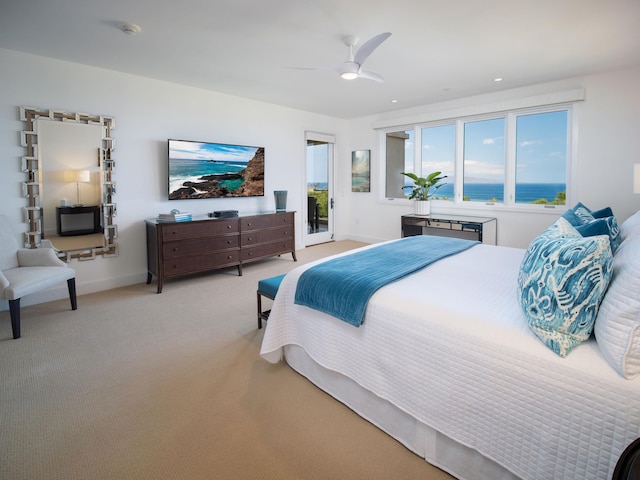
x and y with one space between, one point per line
175 249
229 257
228 227
249 238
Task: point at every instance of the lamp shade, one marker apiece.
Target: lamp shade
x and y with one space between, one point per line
636 178
77 176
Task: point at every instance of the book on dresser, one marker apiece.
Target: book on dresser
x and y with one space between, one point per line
177 248
174 217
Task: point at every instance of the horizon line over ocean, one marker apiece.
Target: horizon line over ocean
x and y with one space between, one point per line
525 192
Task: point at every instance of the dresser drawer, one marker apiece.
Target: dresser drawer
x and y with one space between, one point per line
266 236
181 231
248 254
200 263
265 221
443 225
195 246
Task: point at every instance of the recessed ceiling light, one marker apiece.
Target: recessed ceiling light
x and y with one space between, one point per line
394 101
130 28
497 79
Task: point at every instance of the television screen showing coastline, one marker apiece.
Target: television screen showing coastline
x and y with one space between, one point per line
214 170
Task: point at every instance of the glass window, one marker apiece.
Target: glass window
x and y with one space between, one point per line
511 158
438 152
541 158
484 161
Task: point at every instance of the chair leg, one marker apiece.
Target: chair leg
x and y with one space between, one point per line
71 283
14 311
259 311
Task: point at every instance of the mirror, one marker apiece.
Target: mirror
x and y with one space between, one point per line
69 187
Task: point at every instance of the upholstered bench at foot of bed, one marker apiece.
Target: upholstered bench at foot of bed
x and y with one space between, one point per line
267 288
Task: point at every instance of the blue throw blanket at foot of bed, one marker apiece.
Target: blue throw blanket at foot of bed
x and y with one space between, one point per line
343 286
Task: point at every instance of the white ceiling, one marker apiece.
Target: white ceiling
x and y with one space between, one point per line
439 49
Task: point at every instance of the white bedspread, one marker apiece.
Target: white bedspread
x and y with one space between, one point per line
449 346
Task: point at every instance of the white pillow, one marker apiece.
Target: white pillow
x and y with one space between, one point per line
617 326
631 226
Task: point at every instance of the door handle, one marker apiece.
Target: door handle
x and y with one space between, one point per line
331 203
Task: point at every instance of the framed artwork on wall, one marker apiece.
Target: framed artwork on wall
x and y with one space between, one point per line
361 171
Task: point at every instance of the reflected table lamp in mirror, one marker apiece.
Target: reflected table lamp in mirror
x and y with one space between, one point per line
77 176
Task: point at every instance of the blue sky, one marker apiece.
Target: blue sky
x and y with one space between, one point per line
181 149
540 149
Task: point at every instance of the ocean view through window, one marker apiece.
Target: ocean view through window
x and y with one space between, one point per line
494 192
511 158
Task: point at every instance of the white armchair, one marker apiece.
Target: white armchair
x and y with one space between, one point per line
25 271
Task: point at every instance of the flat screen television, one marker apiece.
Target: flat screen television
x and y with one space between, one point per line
214 170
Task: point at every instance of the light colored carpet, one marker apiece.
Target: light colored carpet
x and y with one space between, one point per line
136 385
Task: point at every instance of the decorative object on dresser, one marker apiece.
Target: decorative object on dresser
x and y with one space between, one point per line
174 216
224 214
471 228
204 244
280 197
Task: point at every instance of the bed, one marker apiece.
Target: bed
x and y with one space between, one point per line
445 362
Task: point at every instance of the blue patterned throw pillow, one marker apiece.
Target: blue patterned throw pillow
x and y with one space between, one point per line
562 280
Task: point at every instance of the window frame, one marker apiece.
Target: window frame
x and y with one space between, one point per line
510 116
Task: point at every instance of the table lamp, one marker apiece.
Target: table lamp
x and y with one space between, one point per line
77 176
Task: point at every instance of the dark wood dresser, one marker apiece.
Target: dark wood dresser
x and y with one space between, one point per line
200 245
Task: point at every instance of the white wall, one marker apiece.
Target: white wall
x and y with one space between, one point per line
608 147
147 113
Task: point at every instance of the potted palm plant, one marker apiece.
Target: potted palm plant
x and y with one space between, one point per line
421 190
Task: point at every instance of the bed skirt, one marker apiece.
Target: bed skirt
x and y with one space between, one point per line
437 449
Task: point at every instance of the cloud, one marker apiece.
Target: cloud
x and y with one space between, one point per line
486 170
527 143
488 141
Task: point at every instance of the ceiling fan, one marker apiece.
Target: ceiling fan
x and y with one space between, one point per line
351 68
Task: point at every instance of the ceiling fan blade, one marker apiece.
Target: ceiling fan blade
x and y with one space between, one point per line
370 76
369 46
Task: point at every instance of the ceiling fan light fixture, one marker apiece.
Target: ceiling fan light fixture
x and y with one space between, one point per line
349 75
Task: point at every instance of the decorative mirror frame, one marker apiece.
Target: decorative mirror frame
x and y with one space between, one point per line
31 188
